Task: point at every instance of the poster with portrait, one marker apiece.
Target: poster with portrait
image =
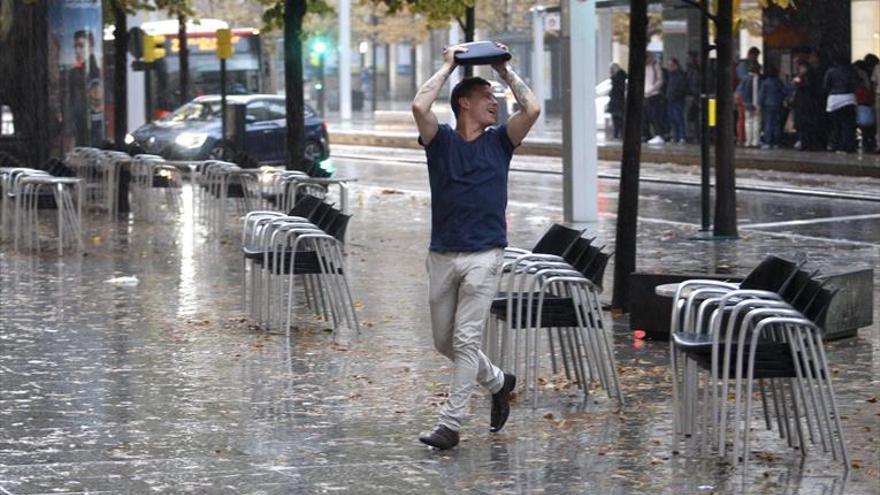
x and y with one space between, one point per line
76 92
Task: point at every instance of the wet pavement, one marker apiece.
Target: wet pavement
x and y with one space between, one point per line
166 387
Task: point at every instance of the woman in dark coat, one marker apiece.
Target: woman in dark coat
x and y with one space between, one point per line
840 84
807 107
617 98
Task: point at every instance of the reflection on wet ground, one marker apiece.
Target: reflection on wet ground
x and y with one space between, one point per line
165 386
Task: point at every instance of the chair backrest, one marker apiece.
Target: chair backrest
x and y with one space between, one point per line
576 251
795 285
817 309
805 296
556 240
319 213
771 274
595 272
338 227
587 257
305 206
328 218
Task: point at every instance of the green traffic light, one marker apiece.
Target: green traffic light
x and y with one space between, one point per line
319 47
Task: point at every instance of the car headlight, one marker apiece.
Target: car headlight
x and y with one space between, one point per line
191 139
129 139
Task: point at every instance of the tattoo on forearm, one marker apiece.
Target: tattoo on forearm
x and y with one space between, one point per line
523 94
432 86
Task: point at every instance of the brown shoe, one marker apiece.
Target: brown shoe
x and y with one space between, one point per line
501 404
441 438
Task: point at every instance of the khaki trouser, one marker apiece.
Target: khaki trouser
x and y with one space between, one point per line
462 286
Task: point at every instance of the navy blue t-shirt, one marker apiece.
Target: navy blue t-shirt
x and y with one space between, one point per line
468 189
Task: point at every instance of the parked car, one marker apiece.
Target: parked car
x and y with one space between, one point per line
192 132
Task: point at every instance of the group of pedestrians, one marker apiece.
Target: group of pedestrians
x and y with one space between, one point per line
672 95
835 108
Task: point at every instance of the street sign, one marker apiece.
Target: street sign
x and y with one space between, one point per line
224 44
552 21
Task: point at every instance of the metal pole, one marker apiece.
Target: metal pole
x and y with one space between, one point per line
455 76
538 64
580 154
374 76
321 79
705 167
223 99
148 92
345 59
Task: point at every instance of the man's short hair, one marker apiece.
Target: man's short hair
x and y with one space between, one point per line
754 51
464 89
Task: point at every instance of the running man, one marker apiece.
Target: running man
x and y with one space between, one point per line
467 168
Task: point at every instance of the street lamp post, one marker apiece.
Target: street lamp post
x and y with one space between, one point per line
345 59
705 170
580 155
320 49
538 63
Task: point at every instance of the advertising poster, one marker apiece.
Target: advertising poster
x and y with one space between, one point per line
76 92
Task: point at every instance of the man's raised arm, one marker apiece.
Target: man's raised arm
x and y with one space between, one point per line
421 105
519 123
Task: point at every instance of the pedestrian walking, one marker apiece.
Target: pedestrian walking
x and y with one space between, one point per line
617 98
875 80
806 104
676 92
865 120
840 84
467 171
771 99
692 100
751 104
742 75
655 107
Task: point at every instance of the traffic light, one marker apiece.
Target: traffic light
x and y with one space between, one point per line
224 44
136 42
154 47
317 50
319 46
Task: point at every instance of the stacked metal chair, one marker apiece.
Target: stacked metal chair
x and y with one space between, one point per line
26 192
100 169
9 165
153 179
223 181
560 293
768 328
306 243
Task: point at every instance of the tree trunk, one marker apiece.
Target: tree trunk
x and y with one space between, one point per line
294 11
628 196
725 171
184 59
470 25
120 74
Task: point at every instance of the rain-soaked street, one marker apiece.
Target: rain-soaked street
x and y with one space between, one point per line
166 386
